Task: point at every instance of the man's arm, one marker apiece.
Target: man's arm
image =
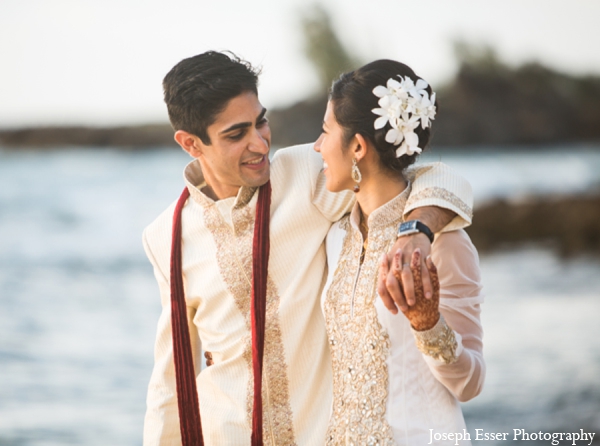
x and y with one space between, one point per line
440 199
161 424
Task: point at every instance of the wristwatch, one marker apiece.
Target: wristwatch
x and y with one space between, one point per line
412 227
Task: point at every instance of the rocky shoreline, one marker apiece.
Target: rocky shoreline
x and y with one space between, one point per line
125 137
568 224
487 104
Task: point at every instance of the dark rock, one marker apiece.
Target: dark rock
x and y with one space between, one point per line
570 224
299 123
144 136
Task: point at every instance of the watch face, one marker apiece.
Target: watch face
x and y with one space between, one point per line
408 226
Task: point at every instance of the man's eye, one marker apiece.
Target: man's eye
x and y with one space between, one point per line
236 136
262 122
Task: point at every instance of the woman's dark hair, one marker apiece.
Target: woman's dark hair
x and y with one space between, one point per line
353 99
198 88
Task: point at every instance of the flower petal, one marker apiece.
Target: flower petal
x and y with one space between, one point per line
393 84
392 135
381 122
400 151
421 84
380 91
412 139
385 101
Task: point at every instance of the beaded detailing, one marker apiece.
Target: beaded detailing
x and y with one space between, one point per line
443 194
234 257
439 342
359 344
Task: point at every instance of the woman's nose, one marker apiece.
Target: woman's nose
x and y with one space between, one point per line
318 142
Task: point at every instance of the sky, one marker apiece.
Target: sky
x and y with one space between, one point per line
101 62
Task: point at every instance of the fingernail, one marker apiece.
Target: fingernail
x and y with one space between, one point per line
428 295
418 250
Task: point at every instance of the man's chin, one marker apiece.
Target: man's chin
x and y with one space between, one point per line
261 179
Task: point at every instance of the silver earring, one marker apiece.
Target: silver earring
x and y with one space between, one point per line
356 175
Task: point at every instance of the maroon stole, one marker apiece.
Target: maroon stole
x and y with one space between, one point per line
185 377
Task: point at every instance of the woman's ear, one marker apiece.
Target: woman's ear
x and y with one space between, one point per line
359 147
189 142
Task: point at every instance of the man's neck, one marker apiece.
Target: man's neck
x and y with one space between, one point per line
220 195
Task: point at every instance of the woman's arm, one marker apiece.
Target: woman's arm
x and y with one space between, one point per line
452 343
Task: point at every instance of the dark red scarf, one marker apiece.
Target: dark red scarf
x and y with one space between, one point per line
187 394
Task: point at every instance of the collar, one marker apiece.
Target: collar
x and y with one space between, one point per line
194 181
390 213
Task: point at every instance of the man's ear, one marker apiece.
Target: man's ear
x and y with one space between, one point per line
359 146
189 142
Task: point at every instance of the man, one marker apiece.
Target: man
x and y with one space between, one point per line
214 108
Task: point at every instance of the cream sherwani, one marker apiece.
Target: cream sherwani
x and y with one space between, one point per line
216 254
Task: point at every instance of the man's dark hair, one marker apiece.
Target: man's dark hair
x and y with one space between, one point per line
198 88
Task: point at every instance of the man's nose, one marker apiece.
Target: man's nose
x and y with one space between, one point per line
259 143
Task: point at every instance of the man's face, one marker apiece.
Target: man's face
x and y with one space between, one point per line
239 151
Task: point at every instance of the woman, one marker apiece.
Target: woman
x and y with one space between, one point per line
397 379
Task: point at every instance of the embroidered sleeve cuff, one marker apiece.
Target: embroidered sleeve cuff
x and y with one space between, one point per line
437 196
439 342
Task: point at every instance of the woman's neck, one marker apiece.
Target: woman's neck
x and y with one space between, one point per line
376 190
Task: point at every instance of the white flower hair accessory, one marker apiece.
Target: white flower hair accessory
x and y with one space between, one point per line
404 105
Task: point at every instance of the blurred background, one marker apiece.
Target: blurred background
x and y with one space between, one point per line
87 161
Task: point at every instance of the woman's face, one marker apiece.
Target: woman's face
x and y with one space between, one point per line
337 159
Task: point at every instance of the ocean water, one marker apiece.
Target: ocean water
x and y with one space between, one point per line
79 305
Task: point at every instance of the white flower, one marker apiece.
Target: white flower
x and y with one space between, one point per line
403 131
426 110
404 105
421 87
391 109
393 88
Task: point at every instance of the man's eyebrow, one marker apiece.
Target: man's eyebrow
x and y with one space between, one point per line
262 115
243 125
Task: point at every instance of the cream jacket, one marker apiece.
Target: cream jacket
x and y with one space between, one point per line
216 254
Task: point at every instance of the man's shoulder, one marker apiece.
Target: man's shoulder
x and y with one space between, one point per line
157 233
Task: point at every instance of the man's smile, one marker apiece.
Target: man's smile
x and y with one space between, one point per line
255 162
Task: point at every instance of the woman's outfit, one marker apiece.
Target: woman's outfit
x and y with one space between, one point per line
385 390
